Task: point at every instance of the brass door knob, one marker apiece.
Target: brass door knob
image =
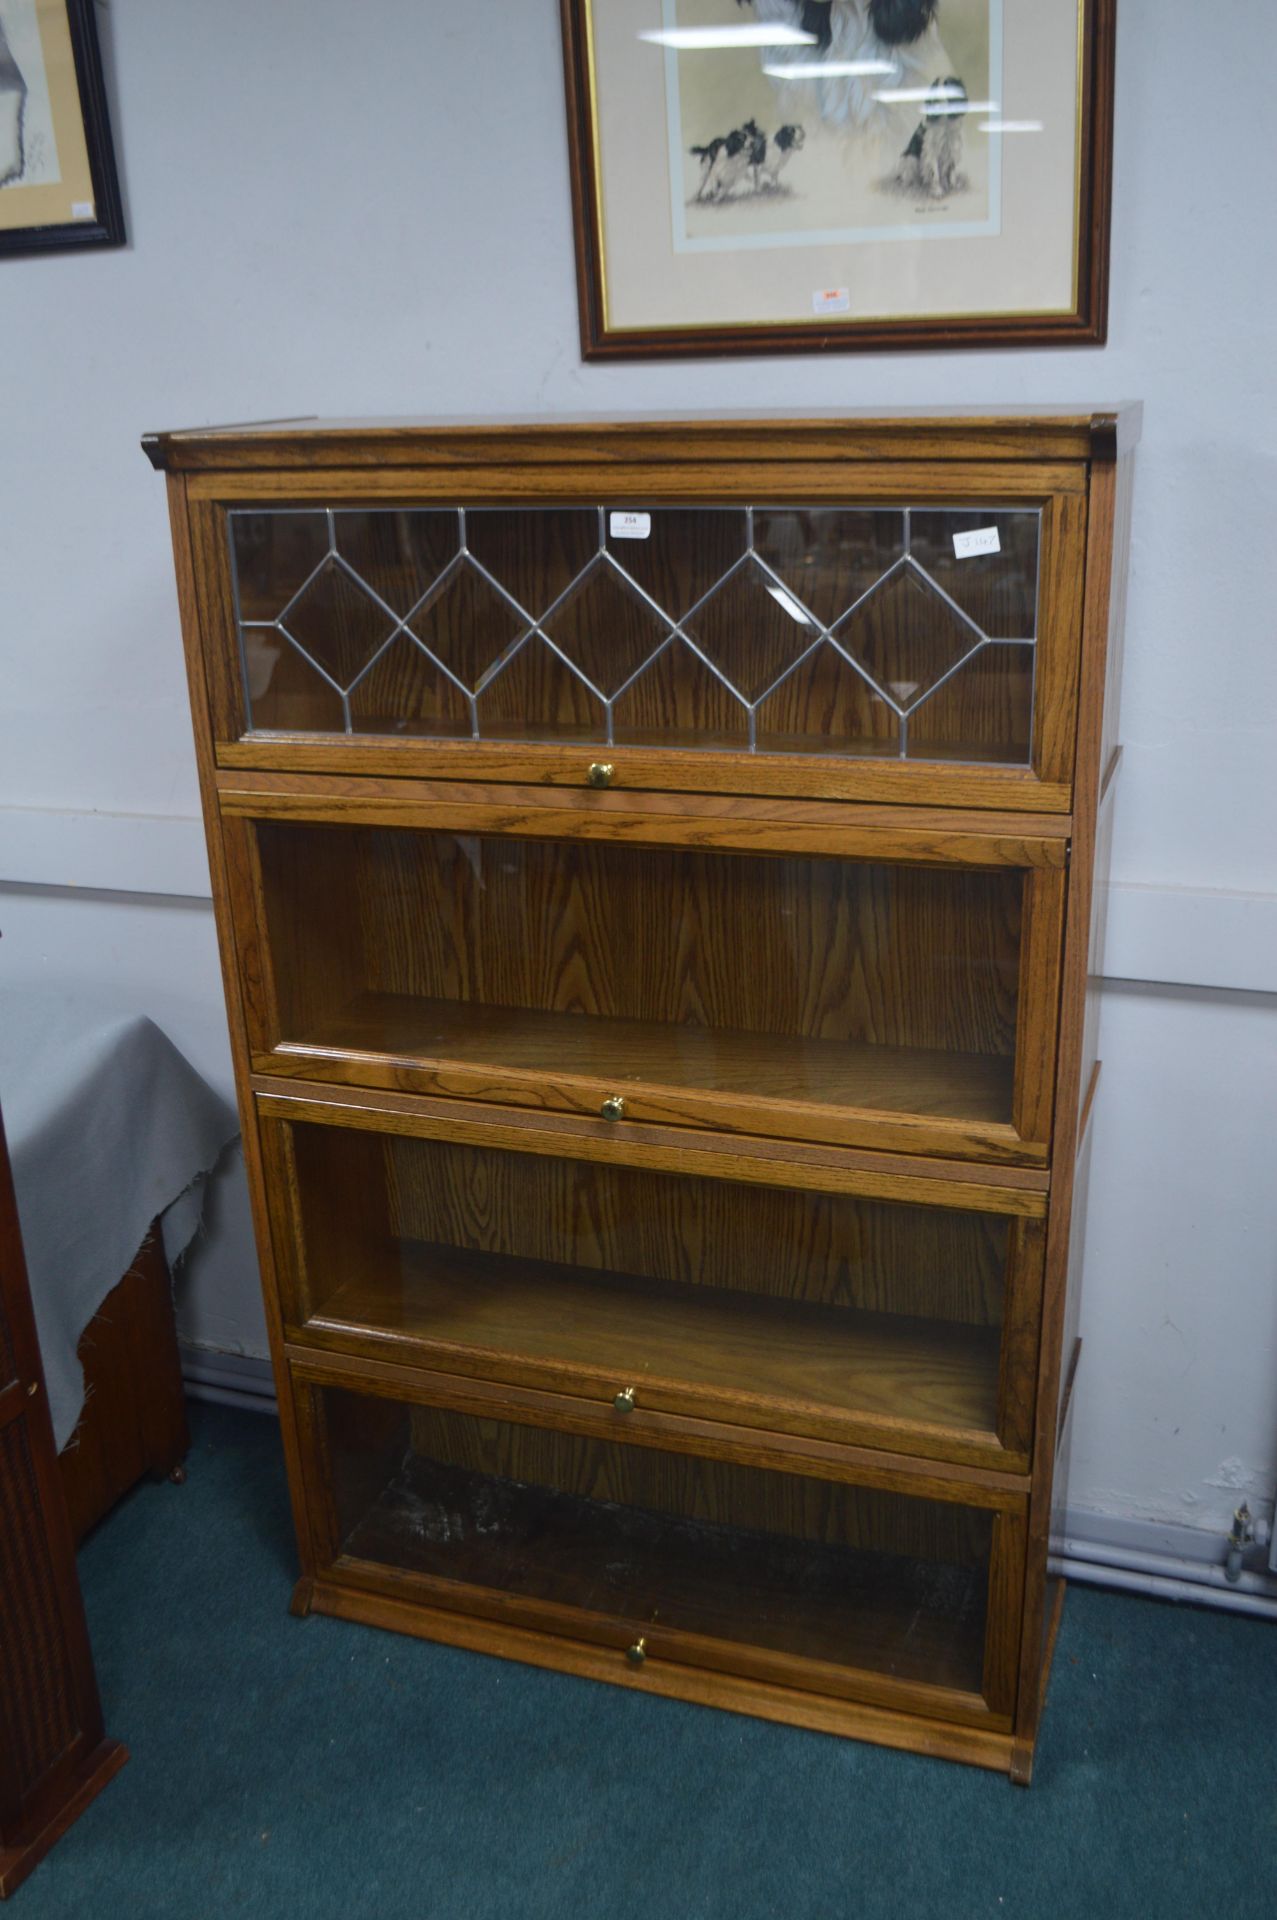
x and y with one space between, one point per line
613 1107
624 1401
600 774
637 1654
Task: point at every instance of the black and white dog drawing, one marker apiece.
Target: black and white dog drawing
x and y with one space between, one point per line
784 144
930 163
897 36
895 22
726 160
746 154
13 103
898 23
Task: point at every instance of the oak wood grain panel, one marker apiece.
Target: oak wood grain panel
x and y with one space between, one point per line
905 1099
203 623
206 595
1101 864
813 776
1018 433
841 952
658 482
714 1492
936 837
996 1489
375 1190
1071 1344
376 1598
1002 1630
1062 567
1024 1746
1107 558
929 1386
1021 1333
827 1679
778 1309
1038 995
616 1538
509 969
245 905
1018 1191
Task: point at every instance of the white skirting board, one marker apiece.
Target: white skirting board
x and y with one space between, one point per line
229 1379
1136 1556
1162 1561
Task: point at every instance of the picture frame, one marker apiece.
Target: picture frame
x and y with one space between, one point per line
840 186
58 182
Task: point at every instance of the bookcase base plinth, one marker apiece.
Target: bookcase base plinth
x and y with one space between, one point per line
909 1733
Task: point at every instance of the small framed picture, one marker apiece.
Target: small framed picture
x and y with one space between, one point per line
754 176
58 185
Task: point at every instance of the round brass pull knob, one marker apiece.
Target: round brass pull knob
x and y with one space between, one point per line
613 1107
637 1654
600 774
624 1401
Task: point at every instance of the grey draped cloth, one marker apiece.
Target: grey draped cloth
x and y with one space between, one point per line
108 1126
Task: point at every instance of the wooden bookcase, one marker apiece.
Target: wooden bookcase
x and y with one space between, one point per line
657 880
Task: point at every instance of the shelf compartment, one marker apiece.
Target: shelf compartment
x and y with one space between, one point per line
838 629
475 1045
515 1318
841 1588
885 1004
825 1315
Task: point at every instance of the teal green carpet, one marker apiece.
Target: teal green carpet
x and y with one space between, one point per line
310 1768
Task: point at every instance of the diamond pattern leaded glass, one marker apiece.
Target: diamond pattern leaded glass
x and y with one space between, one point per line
606 628
854 631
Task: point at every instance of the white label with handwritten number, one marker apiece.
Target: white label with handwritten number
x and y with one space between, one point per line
979 540
631 526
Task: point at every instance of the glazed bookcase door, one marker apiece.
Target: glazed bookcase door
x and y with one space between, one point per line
908 1323
810 996
897 1593
906 643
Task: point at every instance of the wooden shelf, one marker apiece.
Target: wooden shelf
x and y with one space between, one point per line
712 1351
687 1578
531 1057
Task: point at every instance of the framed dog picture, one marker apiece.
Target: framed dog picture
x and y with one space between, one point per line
756 176
58 185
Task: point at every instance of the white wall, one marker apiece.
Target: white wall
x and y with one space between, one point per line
367 211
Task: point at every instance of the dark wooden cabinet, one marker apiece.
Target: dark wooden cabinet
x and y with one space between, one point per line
54 1755
655 870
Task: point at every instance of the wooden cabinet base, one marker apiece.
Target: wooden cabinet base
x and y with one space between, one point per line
134 1417
911 1733
1026 1742
54 1754
23 1856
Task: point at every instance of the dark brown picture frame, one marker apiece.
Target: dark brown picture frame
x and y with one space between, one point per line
1085 325
106 228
